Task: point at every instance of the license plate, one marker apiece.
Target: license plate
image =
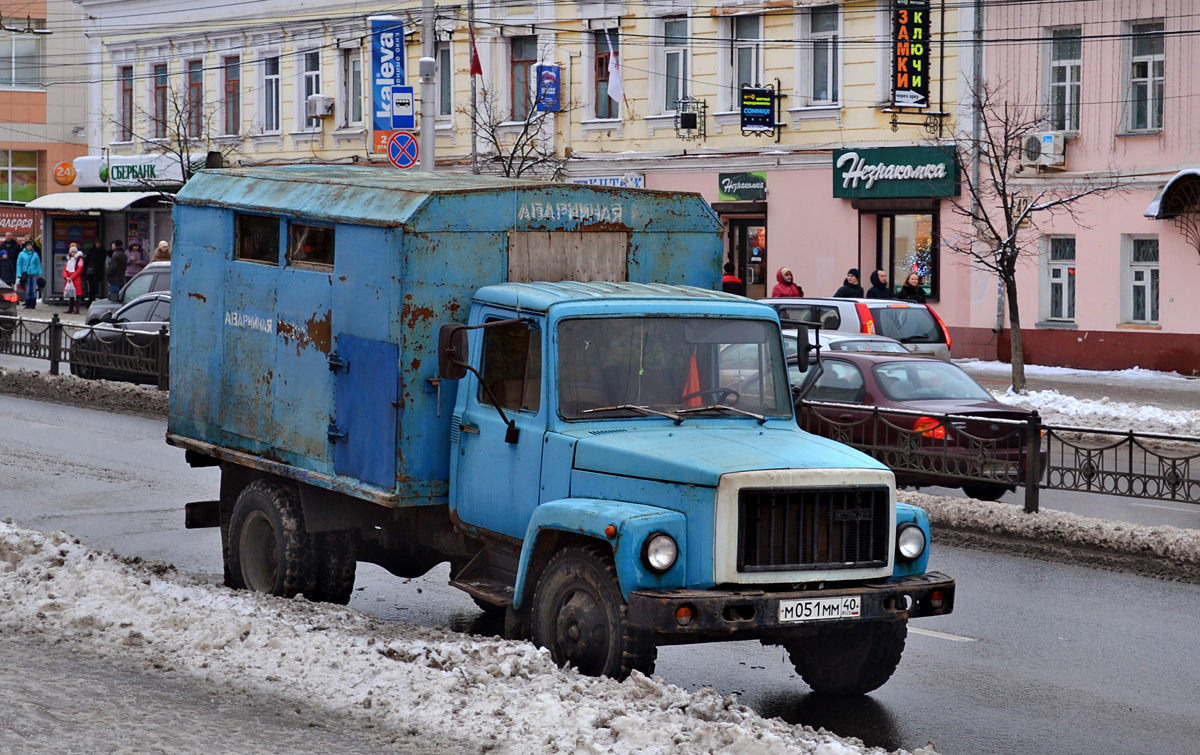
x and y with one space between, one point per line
817 609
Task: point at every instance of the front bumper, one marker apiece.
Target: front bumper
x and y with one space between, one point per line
723 614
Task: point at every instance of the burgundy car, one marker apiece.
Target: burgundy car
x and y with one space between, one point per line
979 449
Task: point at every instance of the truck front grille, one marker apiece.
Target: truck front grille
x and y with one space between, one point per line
812 528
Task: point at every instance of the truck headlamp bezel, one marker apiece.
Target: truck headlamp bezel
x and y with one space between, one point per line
910 542
659 552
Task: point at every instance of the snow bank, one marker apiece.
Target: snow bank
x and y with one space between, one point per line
1058 409
491 694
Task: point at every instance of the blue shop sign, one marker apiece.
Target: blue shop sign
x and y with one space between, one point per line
387 67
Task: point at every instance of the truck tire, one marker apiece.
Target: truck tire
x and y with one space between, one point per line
269 550
336 564
984 491
849 659
578 614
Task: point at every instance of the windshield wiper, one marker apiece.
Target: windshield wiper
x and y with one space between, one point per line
761 419
639 409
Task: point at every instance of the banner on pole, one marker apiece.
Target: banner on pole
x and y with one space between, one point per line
387 67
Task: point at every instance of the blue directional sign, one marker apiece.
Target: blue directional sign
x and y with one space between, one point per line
403 111
403 151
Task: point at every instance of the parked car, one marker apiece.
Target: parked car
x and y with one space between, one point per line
153 277
921 449
8 309
124 345
916 326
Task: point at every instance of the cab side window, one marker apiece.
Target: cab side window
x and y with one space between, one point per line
512 367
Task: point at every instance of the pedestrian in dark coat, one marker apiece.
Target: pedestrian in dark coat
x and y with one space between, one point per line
115 271
93 274
911 290
8 267
879 286
851 288
12 246
730 283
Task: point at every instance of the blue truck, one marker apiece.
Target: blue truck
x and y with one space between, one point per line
540 384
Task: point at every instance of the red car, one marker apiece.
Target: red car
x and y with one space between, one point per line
981 449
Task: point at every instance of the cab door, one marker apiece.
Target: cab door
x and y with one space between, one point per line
497 465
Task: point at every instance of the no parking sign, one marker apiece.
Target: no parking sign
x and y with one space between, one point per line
402 150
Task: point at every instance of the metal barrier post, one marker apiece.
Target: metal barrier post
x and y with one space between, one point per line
55 344
1033 462
164 347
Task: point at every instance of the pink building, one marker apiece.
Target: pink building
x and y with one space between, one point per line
1114 287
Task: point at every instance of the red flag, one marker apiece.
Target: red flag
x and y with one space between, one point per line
476 66
692 385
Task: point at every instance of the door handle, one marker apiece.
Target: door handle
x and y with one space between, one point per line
465 428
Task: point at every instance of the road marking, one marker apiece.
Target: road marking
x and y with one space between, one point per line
1156 506
942 635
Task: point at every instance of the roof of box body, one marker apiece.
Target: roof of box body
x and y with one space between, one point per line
389 197
540 296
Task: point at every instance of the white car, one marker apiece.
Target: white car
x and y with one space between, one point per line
916 326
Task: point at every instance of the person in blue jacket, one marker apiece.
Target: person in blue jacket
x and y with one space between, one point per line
29 269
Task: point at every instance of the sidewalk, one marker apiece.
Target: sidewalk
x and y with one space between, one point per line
46 311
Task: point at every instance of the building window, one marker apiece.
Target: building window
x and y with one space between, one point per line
747 55
233 95
825 53
524 73
162 85
1066 72
352 87
1146 77
20 59
312 84
257 239
1061 278
194 104
18 176
675 62
1143 276
607 43
445 80
271 94
126 116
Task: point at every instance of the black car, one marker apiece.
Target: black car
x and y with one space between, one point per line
124 345
154 277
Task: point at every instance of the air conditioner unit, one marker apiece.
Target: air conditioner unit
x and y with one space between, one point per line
1046 149
318 106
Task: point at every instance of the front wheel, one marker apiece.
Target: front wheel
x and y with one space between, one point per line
578 614
269 549
849 659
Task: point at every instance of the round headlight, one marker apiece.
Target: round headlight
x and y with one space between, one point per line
660 552
910 542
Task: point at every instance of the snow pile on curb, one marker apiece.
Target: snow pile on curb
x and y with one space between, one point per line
1105 414
1164 552
488 694
102 395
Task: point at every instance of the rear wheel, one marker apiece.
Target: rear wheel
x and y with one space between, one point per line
578 614
849 659
336 564
984 491
269 550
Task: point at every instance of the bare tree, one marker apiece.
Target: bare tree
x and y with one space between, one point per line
516 144
999 207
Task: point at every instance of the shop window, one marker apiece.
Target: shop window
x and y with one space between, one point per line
257 239
310 245
18 176
511 367
908 244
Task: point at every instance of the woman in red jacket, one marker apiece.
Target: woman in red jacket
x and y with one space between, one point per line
786 286
73 279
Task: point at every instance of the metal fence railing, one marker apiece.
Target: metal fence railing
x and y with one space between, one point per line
90 351
953 450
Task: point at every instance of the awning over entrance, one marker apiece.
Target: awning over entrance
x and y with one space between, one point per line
1180 195
90 201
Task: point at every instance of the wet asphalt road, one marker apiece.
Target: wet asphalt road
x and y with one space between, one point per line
1037 657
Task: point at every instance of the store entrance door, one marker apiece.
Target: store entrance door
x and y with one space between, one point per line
907 243
748 253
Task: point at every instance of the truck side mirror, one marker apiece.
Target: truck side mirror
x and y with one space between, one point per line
452 351
804 346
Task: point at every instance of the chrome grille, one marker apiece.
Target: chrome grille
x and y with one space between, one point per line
812 528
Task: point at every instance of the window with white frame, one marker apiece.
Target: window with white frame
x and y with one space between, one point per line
826 53
310 74
746 49
231 104
125 116
1066 76
193 105
270 114
21 58
352 88
162 99
1060 273
607 43
675 68
1143 280
445 80
1146 76
523 55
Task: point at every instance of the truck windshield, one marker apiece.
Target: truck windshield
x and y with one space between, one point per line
622 364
